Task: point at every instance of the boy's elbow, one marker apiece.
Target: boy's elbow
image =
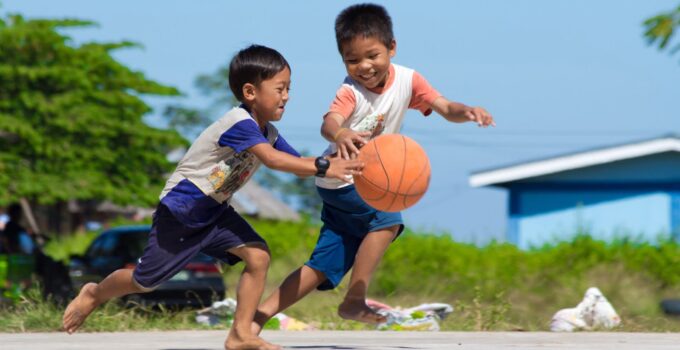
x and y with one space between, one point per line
273 162
268 160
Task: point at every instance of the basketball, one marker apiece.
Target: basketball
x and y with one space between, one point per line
396 173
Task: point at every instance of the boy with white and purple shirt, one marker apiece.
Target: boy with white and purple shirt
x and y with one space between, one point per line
194 215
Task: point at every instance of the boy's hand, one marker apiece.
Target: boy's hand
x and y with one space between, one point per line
349 141
344 169
480 116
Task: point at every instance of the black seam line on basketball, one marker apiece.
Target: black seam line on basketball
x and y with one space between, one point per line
382 165
425 166
403 167
392 192
374 184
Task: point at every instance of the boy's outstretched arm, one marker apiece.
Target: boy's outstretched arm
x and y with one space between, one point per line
460 113
347 140
274 159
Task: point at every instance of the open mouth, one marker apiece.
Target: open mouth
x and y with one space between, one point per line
368 76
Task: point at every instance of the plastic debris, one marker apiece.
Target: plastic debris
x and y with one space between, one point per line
218 312
223 311
424 317
593 312
288 323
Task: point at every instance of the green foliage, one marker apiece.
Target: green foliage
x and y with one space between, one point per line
273 324
34 314
495 287
442 262
61 247
71 119
660 29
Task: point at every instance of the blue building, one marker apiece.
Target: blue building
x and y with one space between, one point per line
630 190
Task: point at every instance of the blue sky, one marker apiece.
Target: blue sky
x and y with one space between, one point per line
558 76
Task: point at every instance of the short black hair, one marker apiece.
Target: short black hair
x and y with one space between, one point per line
367 20
254 64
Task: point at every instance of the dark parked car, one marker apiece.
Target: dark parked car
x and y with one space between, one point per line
198 284
671 307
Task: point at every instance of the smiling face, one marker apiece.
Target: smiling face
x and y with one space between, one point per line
268 99
367 60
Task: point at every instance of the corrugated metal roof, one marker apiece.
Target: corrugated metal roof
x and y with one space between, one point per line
505 174
252 199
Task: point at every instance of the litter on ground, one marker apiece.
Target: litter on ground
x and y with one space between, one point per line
593 312
223 312
424 317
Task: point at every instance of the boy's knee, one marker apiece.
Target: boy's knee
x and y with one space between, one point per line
257 257
139 288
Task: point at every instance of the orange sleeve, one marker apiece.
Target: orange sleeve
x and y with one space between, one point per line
344 102
422 95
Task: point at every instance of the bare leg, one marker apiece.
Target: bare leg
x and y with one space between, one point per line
117 284
248 294
370 253
295 287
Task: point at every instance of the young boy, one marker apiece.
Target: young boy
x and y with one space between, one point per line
194 214
372 101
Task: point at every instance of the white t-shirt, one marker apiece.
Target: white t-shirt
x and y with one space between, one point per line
379 111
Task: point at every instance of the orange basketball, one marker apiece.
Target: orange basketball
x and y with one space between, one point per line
396 173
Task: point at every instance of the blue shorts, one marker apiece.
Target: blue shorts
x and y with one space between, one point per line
171 244
347 219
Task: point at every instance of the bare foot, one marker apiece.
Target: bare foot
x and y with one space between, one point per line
79 308
357 310
234 342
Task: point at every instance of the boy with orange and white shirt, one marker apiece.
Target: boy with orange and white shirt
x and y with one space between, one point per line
372 101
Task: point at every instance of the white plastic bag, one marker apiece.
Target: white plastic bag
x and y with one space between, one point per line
594 311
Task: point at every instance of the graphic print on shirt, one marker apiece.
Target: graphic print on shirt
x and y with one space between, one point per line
375 123
228 175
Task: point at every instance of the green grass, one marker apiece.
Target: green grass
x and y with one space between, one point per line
497 287
35 315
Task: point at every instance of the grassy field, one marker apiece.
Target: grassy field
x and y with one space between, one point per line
496 287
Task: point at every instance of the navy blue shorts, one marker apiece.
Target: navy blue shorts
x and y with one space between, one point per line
171 244
347 219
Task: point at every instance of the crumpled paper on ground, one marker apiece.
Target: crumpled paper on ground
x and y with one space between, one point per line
424 317
594 311
221 311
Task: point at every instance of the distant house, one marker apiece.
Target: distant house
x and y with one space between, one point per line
630 190
251 200
257 201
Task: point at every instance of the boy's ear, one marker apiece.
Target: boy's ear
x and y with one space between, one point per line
249 91
393 48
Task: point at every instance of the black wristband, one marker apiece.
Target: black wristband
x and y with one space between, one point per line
322 164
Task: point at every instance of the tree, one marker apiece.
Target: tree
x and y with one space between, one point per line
660 29
71 119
